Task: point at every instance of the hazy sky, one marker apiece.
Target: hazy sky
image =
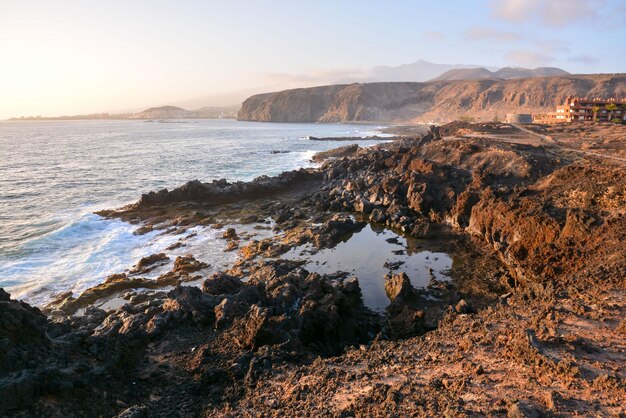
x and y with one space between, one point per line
68 57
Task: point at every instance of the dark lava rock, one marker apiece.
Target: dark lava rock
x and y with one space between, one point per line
221 191
188 264
221 283
23 335
191 302
403 321
393 265
333 230
149 263
134 412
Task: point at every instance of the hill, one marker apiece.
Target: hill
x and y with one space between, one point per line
434 101
506 73
162 112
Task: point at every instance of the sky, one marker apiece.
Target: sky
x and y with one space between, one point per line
77 57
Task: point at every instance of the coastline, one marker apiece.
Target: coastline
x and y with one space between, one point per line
50 254
252 337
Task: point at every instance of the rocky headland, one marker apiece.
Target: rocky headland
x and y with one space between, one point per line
433 101
530 321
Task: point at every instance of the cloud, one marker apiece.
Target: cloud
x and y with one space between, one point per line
434 36
514 10
479 34
528 58
547 12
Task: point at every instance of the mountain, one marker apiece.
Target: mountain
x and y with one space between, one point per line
506 73
466 74
434 101
418 71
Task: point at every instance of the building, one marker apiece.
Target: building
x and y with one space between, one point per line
583 109
518 118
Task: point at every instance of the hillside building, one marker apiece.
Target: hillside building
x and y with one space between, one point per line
583 109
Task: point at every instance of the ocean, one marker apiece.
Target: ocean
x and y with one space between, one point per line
55 174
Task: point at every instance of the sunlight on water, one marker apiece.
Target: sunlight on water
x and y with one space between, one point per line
54 175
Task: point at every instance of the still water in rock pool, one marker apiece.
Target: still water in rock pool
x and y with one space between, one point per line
370 254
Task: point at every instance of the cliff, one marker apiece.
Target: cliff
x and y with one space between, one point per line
437 101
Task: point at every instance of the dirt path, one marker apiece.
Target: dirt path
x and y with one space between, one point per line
547 139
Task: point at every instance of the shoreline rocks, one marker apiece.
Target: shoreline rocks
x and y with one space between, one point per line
535 301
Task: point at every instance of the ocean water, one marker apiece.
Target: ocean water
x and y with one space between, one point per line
54 175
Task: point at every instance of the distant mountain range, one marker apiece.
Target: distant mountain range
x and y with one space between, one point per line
418 71
506 73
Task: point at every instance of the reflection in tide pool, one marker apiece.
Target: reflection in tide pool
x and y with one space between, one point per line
370 254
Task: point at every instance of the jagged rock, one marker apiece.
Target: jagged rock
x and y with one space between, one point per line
398 287
378 216
191 302
334 229
362 206
221 284
254 333
188 264
229 309
149 263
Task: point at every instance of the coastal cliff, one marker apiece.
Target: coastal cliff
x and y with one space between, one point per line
437 101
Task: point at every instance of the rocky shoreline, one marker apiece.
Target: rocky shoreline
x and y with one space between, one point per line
529 324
